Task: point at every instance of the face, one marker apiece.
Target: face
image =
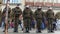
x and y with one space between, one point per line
39 8
27 7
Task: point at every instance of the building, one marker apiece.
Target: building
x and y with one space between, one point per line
55 4
12 3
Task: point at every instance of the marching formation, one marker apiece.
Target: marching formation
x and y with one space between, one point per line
30 19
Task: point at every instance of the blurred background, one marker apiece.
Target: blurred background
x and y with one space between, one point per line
55 4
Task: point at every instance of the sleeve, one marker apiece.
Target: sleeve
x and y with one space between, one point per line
20 11
31 14
23 13
12 13
35 13
46 14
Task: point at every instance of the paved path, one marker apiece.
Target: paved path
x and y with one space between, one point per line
10 31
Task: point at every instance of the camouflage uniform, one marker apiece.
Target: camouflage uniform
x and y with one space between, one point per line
4 13
17 11
27 15
38 16
50 19
57 15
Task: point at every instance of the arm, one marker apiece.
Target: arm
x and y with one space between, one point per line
31 13
35 13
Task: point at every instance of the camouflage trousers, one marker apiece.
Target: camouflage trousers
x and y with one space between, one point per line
16 25
39 22
27 24
50 24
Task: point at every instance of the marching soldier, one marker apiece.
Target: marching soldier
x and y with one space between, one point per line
27 15
17 12
57 17
4 13
50 19
38 17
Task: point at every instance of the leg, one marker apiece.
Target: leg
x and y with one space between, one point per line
52 25
38 25
16 27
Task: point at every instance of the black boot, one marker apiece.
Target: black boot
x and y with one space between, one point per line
16 31
4 31
22 29
52 31
27 31
39 32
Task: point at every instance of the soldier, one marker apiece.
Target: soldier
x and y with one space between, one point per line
4 13
57 17
17 12
38 17
50 19
27 15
